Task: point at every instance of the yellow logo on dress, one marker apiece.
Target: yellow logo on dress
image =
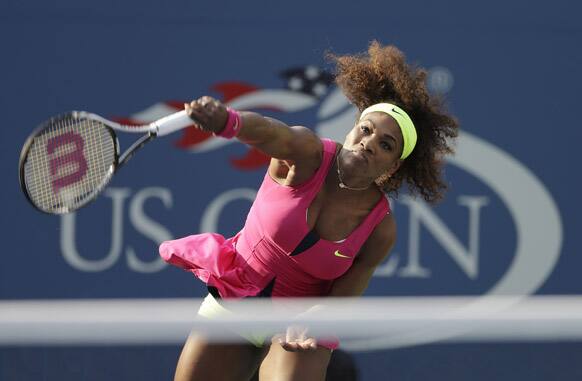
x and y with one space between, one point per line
338 254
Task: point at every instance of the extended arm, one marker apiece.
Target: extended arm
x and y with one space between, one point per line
298 145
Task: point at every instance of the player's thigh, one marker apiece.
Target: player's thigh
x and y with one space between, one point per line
202 360
281 365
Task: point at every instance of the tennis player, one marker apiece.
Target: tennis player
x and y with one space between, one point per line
321 221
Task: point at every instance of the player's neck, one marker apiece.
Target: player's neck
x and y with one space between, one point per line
350 180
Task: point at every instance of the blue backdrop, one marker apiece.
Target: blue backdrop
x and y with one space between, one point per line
509 224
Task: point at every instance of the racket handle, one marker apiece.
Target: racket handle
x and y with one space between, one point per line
172 123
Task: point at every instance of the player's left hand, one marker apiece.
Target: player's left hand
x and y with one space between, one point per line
296 340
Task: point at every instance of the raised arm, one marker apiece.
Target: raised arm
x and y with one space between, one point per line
276 139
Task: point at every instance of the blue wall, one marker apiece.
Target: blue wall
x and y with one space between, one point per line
510 73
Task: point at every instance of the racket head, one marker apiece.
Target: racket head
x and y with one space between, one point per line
67 161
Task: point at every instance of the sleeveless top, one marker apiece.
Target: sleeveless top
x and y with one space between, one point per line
276 253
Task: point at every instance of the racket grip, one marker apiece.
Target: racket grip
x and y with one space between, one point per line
172 123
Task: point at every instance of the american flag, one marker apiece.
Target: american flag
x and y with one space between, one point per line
303 88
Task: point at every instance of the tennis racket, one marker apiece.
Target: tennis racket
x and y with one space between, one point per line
69 159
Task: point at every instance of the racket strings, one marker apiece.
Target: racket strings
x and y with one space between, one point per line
68 163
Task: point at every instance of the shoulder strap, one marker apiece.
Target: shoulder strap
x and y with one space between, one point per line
371 221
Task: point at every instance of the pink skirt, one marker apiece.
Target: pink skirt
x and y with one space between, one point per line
214 260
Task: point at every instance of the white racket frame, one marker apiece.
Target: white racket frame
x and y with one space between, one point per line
161 127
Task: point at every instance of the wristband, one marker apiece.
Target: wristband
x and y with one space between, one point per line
232 126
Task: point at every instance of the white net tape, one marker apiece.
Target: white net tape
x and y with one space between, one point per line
361 324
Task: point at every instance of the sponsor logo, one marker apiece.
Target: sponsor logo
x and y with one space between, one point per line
338 254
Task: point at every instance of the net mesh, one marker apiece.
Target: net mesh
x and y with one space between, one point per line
67 164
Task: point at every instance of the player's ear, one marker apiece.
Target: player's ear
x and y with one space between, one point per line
395 166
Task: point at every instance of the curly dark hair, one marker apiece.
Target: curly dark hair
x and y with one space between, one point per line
382 75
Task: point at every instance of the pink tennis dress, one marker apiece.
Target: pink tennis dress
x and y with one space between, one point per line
276 253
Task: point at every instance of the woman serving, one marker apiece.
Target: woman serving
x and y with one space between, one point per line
321 222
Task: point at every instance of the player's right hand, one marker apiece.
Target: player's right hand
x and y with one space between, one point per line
207 113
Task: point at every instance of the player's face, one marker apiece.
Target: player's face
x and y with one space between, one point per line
375 144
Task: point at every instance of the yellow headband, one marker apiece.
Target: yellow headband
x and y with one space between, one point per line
403 120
